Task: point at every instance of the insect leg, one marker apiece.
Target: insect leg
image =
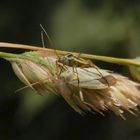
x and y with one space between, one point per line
80 91
78 80
100 74
61 68
83 100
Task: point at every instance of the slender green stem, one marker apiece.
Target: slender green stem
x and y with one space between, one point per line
114 60
11 56
119 61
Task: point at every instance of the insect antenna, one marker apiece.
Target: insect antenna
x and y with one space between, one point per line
32 84
51 45
42 39
28 86
48 39
47 36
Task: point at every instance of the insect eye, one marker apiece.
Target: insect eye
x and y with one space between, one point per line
63 59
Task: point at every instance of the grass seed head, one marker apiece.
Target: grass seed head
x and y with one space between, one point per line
91 93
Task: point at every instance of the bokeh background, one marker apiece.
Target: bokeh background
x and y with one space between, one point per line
104 27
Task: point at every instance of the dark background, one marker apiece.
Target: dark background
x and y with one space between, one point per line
104 27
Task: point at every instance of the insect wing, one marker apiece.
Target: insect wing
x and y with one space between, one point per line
88 78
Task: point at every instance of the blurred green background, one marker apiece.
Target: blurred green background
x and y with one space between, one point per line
104 27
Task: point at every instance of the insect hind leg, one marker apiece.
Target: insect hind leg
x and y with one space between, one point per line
100 74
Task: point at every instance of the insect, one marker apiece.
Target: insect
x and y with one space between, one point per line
75 62
72 60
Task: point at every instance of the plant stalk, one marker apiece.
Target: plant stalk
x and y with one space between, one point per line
120 61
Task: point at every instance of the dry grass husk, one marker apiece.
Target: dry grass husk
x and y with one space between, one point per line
118 94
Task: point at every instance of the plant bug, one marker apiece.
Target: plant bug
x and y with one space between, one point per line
77 62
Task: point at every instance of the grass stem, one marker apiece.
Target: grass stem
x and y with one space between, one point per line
120 61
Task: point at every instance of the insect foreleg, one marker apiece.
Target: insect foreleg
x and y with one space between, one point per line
60 68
